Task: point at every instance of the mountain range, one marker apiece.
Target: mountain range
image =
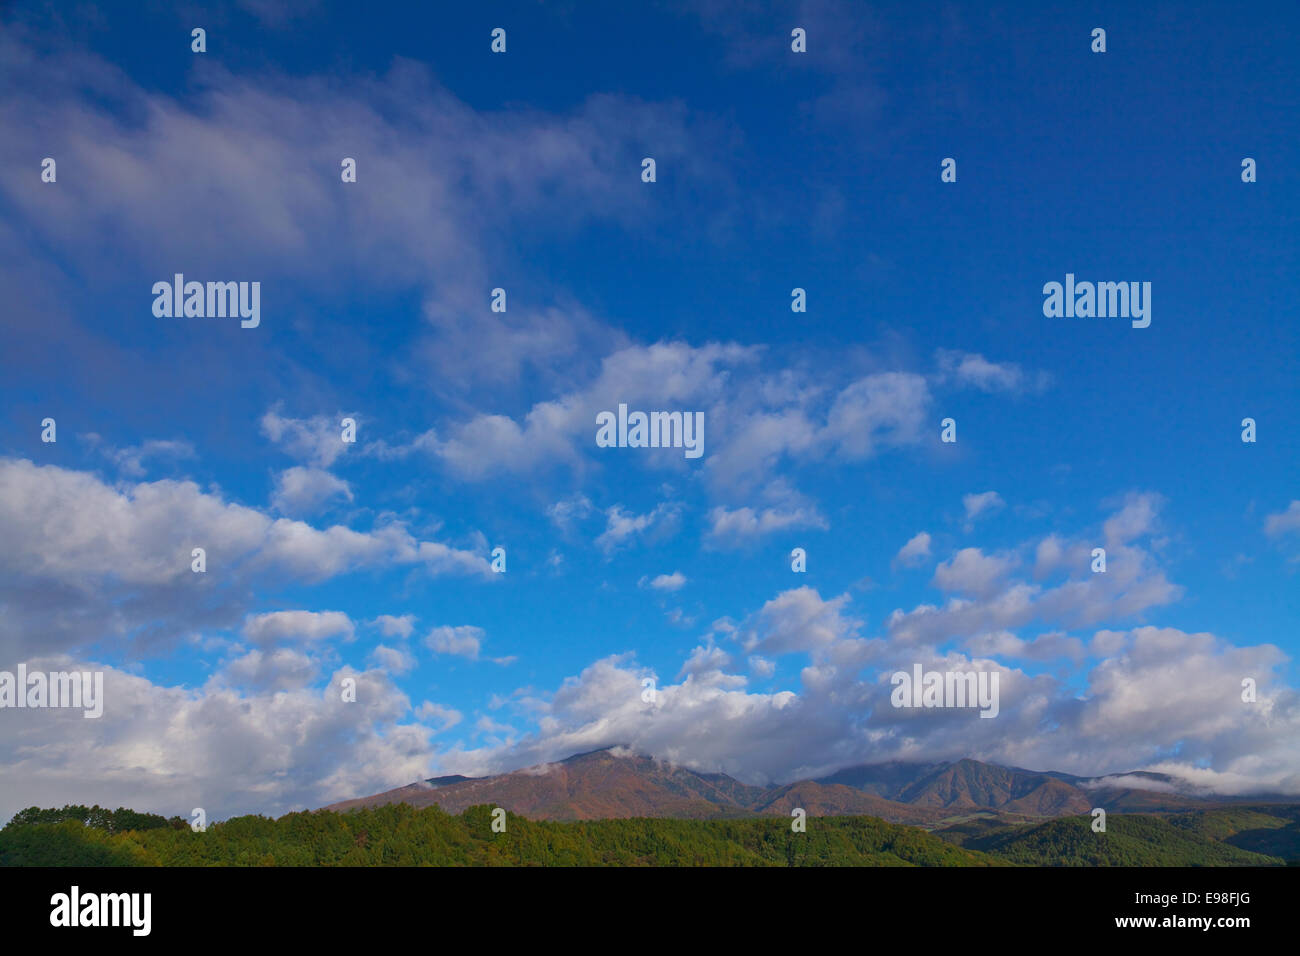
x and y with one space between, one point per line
614 807
616 782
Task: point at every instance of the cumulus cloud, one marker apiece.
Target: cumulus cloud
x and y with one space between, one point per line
797 620
561 431
130 461
979 504
317 440
754 421
1044 647
1054 552
567 513
272 669
1147 693
974 370
85 561
997 601
446 717
708 659
486 725
665 582
302 491
915 552
395 660
887 408
395 626
971 571
1168 690
740 525
269 748
622 527
1284 522
1165 691
1135 519
464 640
308 626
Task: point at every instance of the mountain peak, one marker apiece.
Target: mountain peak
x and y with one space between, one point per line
613 750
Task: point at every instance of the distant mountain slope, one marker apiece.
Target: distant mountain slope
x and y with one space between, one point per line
616 783
887 780
967 785
591 786
824 800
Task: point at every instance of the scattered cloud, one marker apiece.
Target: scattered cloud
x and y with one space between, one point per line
307 626
395 626
980 504
665 582
975 371
916 552
303 491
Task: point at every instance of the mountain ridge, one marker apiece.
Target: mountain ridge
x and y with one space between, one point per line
616 782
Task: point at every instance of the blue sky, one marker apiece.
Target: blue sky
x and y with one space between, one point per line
476 429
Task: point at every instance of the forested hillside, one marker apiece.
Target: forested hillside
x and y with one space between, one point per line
1129 840
402 835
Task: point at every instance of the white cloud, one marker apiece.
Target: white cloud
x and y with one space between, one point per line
887 408
915 552
1133 583
1284 522
317 440
114 560
562 430
273 669
622 527
1156 692
666 582
462 641
1169 692
976 505
1135 519
708 659
1053 552
731 527
567 513
395 660
753 420
971 571
307 626
487 725
797 620
1045 647
130 461
164 749
447 717
391 626
301 491
441 195
974 370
